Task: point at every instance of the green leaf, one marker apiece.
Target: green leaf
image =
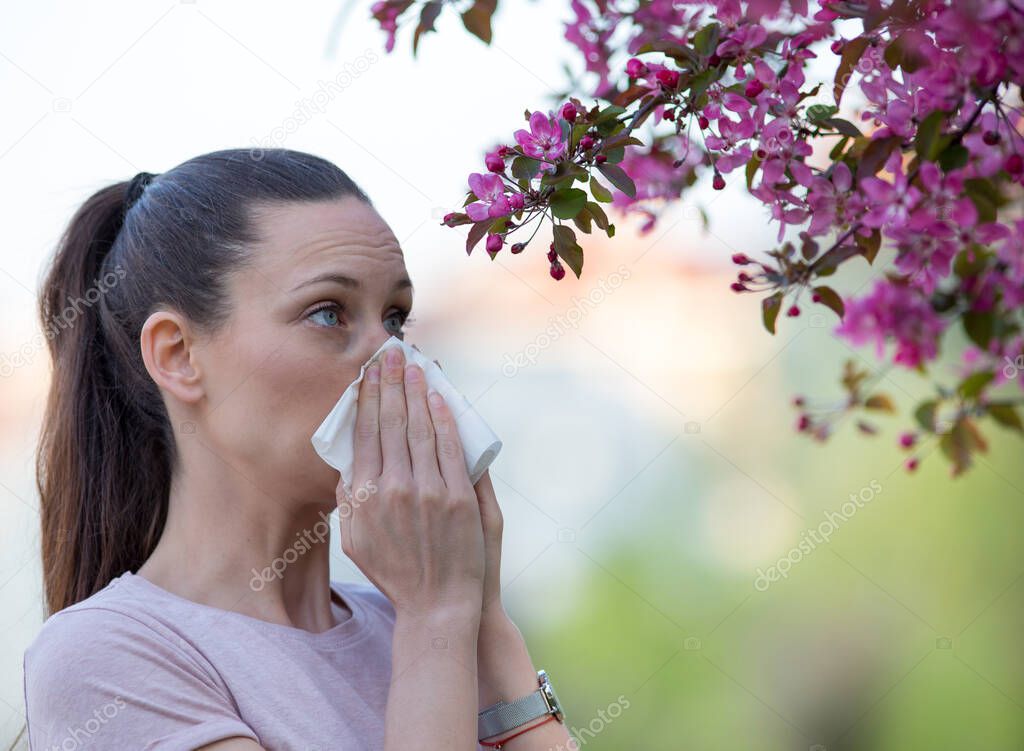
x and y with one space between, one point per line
476 234
618 177
979 327
770 307
830 298
525 168
679 53
837 150
610 112
875 154
927 141
870 245
567 202
850 56
565 172
598 215
568 249
953 157
843 126
986 197
428 15
477 19
956 445
600 192
819 112
614 154
880 402
925 415
582 220
706 40
752 166
973 384
1006 415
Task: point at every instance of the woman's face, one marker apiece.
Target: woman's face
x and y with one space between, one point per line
326 287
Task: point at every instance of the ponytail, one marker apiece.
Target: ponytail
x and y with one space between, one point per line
101 468
106 452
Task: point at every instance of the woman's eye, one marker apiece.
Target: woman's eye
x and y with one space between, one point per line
398 319
328 316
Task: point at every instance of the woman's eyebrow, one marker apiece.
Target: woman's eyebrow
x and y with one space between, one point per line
350 282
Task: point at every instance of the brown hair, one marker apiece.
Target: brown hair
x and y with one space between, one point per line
106 451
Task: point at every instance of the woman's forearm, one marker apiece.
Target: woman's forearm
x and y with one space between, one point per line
506 673
433 693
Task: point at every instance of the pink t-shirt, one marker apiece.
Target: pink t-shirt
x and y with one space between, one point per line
135 666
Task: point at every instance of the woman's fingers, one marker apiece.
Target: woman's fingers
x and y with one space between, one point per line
367 455
394 421
422 449
450 457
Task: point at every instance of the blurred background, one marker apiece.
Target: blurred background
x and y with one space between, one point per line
650 474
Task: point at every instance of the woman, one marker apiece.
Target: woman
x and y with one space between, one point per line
203 322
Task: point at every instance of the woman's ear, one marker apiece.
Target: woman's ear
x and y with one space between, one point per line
169 353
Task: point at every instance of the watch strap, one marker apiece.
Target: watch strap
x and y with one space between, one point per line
504 716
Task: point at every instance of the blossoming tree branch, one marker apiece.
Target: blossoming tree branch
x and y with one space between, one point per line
925 159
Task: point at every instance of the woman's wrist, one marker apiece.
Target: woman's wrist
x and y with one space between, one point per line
504 669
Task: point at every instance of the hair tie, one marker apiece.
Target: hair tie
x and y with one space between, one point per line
136 188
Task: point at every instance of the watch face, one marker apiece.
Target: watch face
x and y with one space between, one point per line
549 692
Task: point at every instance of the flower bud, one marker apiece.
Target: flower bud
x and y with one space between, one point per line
569 112
494 163
635 68
586 142
740 258
494 243
718 183
518 247
601 158
667 78
516 201
557 271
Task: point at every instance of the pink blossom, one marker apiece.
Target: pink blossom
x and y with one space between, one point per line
490 191
894 312
544 140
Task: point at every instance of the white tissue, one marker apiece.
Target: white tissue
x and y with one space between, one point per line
334 440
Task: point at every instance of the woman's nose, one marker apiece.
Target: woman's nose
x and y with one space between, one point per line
374 343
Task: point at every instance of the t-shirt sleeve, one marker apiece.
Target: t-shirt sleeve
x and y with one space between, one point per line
97 678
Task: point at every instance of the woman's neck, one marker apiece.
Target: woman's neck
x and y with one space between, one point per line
236 549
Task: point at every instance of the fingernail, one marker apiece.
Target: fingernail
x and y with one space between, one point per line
412 373
393 356
373 373
435 398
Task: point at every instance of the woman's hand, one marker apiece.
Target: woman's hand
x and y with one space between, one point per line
492 524
414 528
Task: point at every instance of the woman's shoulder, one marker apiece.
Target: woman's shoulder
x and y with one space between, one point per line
105 652
106 616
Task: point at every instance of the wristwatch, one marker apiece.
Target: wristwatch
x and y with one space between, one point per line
503 716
